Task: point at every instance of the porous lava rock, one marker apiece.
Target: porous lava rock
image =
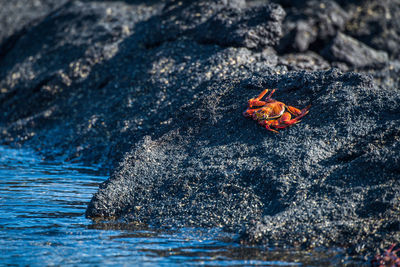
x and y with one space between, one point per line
226 23
330 180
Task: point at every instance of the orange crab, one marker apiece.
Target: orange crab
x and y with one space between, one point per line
271 113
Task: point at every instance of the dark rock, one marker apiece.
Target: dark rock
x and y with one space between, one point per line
254 28
304 61
155 87
348 50
312 23
15 16
377 23
57 64
389 76
217 22
320 177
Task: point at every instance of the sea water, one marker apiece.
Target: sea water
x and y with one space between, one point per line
42 223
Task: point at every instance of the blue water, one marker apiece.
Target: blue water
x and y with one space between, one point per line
42 223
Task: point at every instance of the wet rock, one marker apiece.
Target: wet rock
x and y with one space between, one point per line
350 51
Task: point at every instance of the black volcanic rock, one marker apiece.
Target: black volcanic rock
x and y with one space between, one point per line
217 22
64 60
304 61
320 176
377 23
17 16
354 53
154 93
311 23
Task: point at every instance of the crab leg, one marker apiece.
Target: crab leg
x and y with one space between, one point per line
257 101
298 112
269 128
295 111
250 111
283 122
267 124
269 96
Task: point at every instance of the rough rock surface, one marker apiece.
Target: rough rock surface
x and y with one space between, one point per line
217 22
20 15
312 23
154 92
376 23
356 54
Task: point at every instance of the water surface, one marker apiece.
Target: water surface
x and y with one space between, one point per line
42 222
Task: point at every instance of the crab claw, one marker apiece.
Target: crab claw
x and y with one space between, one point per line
249 113
256 102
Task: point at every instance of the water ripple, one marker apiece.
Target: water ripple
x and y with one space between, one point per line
42 206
